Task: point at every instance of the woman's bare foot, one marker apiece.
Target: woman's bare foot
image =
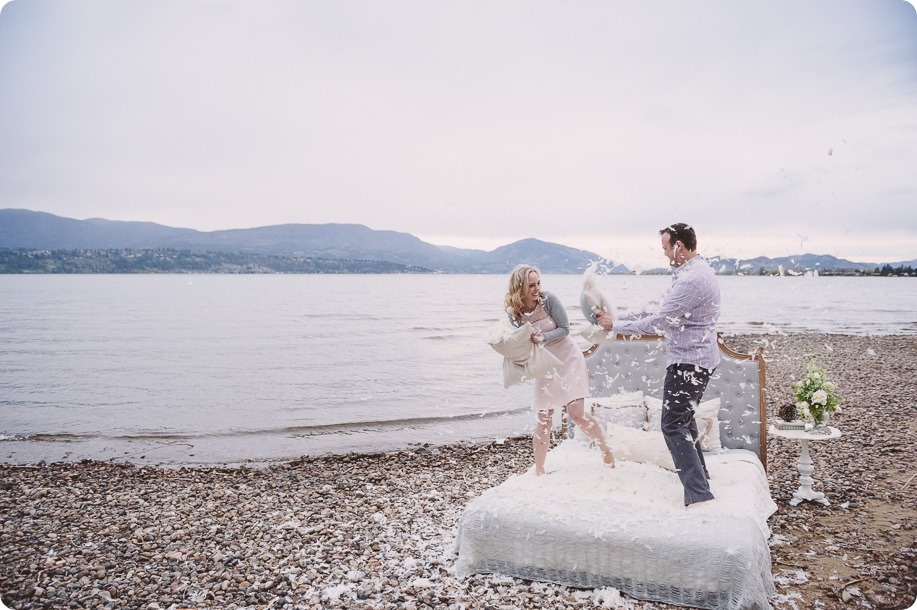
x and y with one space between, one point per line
608 457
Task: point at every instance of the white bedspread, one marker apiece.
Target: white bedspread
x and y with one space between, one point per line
589 526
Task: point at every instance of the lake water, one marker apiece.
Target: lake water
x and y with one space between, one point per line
205 369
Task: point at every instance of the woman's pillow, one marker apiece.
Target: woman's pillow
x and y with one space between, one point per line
522 359
627 409
706 415
646 447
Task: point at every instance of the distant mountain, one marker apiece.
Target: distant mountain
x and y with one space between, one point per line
358 244
798 263
549 257
794 265
41 231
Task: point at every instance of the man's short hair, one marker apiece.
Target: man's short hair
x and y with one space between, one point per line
682 232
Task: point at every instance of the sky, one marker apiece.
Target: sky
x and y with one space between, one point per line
773 127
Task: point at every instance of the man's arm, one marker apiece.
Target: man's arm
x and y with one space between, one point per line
674 310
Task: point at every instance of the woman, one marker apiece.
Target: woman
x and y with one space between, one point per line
567 385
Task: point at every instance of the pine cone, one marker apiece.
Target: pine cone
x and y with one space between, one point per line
787 412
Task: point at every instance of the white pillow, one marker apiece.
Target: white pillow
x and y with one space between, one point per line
646 447
706 414
653 413
522 359
592 300
627 409
595 334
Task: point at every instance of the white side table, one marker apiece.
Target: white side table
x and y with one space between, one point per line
805 467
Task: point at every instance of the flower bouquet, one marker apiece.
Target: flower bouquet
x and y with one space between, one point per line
816 397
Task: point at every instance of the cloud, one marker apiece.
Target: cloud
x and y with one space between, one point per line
478 120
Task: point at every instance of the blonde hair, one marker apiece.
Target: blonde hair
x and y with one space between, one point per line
518 285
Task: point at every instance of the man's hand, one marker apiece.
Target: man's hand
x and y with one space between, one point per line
604 320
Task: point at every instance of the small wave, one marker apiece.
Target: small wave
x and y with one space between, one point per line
14 437
312 430
389 423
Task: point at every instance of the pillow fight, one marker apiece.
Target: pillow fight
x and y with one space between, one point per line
536 344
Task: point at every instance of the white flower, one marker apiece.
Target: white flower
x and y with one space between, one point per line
798 385
830 386
820 397
816 376
801 405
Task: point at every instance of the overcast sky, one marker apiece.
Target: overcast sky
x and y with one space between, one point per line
774 127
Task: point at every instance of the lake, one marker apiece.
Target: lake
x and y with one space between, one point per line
211 369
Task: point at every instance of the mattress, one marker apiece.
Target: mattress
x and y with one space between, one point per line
589 526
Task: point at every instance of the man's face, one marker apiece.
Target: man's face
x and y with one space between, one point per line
668 248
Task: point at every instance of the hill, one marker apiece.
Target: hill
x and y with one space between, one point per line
28 230
325 248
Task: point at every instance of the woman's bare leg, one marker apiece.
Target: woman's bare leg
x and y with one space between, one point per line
591 428
541 439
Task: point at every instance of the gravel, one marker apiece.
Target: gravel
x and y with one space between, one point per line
375 531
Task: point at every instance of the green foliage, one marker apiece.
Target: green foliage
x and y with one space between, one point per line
182 261
901 270
815 394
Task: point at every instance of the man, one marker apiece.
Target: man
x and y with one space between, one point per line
687 318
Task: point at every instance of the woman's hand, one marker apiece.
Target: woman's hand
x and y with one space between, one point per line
536 337
604 320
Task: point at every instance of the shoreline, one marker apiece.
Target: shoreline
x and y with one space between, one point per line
278 447
375 530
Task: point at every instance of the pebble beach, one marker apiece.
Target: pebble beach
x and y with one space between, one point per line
376 531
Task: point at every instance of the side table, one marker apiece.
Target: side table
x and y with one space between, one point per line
805 467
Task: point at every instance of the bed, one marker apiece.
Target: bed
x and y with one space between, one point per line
589 526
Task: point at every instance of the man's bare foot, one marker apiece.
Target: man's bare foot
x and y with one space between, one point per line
703 504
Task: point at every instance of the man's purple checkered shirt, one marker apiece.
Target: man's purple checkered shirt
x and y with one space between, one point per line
687 316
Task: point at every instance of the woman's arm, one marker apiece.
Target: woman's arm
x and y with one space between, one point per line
556 310
512 319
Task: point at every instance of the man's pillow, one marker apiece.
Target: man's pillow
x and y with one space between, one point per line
627 409
592 300
646 447
594 334
706 414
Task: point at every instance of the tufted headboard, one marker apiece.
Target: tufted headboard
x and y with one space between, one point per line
638 363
